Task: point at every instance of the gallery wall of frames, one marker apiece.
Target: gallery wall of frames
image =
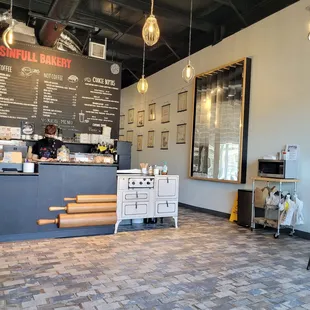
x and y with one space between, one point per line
133 121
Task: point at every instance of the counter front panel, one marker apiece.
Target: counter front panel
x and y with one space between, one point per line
25 199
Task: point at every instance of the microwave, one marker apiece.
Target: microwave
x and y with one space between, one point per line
279 169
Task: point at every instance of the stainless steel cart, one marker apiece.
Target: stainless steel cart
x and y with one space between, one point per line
265 221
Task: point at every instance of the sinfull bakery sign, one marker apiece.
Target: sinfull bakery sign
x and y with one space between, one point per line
26 55
43 85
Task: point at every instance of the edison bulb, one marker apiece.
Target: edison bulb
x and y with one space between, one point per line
150 31
188 72
142 85
10 37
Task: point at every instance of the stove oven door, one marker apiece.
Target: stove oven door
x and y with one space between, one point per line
136 195
135 209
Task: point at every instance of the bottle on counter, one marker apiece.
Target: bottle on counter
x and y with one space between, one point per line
151 171
29 153
165 169
59 134
63 154
156 170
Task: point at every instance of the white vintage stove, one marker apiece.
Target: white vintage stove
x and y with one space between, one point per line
147 197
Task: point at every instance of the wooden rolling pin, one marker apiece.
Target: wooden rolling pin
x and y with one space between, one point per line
80 220
86 207
93 198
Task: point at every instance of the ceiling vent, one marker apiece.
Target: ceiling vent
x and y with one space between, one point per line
97 50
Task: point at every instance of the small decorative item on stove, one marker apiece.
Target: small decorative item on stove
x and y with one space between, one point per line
156 170
151 171
143 167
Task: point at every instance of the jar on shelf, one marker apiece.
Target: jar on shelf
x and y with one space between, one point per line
63 154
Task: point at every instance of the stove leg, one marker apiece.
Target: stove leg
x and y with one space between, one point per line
175 221
116 226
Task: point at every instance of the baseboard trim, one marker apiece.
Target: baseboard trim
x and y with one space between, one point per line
203 210
302 234
66 233
298 233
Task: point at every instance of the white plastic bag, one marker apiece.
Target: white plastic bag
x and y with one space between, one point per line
299 214
289 209
272 199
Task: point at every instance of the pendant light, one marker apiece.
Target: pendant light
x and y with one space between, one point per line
8 34
188 72
150 30
142 85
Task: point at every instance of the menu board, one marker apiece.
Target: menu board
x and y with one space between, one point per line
78 94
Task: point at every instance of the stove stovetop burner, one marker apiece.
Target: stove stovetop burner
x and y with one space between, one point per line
141 182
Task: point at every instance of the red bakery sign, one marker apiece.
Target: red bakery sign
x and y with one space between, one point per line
42 58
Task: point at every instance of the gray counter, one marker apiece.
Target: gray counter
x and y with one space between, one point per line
25 198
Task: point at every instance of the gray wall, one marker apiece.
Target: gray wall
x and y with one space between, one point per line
279 106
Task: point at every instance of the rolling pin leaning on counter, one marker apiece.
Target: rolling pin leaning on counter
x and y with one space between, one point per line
89 210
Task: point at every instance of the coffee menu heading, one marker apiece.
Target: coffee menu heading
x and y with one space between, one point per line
46 86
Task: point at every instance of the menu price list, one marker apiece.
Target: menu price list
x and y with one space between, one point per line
59 101
77 93
99 103
15 102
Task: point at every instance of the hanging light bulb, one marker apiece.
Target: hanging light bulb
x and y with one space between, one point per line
188 72
8 34
143 85
7 37
150 30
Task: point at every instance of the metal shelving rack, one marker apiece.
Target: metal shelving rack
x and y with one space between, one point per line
265 221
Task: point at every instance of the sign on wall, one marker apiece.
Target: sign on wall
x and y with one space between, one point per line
46 86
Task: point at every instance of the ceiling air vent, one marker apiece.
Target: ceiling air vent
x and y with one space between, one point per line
97 50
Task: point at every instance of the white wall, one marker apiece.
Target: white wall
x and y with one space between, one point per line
279 105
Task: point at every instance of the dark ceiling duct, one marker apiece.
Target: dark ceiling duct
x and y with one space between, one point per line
61 10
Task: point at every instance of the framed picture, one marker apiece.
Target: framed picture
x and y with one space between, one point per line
152 111
131 116
165 113
139 142
122 122
140 121
181 134
164 140
151 139
130 136
121 138
182 101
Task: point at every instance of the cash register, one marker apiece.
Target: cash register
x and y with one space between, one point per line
11 157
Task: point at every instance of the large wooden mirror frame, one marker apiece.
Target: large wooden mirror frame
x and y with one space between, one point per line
220 123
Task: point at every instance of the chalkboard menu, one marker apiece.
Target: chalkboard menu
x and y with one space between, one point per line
46 86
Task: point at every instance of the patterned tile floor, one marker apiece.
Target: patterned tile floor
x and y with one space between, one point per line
208 263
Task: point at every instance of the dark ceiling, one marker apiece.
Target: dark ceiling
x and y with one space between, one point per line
121 21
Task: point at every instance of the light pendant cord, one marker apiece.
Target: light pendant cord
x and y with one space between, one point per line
143 64
152 6
143 59
190 29
11 8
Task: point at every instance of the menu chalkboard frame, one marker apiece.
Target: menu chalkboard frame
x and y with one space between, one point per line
96 92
